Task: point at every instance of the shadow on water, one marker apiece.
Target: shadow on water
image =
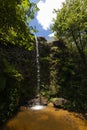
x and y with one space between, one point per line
46 119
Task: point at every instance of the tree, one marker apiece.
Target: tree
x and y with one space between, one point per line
15 37
14 16
71 24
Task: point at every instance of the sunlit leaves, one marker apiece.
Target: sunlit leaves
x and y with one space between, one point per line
14 21
71 24
73 15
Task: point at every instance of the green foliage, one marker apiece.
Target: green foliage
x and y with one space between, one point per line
16 85
72 80
9 90
52 99
71 25
16 45
14 21
10 70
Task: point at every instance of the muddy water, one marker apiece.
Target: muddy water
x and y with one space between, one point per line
46 119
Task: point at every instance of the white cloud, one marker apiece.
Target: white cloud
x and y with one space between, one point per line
51 35
45 15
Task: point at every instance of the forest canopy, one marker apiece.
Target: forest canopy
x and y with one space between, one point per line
14 20
70 26
16 59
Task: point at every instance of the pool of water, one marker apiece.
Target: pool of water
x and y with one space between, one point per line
45 119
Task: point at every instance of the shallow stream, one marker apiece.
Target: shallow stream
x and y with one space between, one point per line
46 119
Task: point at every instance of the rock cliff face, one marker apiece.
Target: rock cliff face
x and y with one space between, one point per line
24 62
50 55
57 43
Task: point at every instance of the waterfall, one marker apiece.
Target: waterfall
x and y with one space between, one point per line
37 105
38 66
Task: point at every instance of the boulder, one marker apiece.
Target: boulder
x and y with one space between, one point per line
60 102
50 104
38 100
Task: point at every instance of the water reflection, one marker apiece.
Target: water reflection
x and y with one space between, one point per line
45 119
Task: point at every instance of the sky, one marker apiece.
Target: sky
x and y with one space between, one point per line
43 18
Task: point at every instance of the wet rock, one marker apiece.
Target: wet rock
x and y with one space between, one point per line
44 101
60 102
38 100
50 104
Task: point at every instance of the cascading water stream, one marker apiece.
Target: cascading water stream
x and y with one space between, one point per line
38 66
38 105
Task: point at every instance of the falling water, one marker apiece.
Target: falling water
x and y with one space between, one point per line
38 66
38 105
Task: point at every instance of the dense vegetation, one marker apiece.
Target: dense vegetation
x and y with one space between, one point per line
70 26
17 63
63 63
